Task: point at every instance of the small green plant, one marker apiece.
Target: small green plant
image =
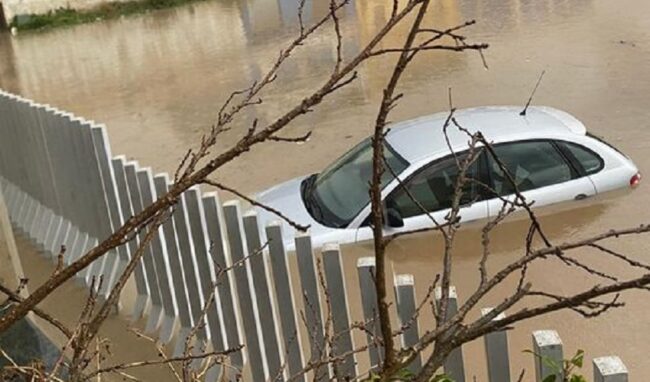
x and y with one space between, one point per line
567 367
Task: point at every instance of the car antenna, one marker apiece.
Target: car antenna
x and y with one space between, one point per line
523 112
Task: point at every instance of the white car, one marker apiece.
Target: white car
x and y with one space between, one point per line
548 152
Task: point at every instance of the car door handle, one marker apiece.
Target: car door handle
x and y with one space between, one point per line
581 197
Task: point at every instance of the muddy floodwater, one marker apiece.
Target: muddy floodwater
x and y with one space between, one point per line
158 79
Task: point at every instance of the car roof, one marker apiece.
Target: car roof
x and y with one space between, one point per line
423 137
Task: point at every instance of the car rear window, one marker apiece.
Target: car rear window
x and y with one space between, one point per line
530 164
589 161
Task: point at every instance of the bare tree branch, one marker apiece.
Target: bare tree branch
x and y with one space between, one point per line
300 139
39 312
390 360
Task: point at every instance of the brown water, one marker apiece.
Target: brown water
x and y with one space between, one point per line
157 80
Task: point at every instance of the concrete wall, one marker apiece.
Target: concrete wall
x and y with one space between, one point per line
35 7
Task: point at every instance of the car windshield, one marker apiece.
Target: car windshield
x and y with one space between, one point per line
337 195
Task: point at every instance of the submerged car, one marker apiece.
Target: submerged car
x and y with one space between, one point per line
547 152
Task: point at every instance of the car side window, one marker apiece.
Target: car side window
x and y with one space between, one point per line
531 164
590 162
433 188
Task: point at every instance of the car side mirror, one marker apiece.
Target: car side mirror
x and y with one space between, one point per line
394 218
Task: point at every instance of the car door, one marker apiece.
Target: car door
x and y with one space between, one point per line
540 171
432 189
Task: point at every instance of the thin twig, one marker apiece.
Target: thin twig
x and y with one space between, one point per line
299 227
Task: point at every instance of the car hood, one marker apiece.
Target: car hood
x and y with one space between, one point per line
286 198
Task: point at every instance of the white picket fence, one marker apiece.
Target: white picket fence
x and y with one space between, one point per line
63 185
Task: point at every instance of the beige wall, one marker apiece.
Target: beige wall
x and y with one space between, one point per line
31 7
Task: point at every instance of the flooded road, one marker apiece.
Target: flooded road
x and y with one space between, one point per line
157 81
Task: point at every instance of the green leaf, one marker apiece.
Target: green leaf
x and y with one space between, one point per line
549 362
552 364
579 358
550 378
577 378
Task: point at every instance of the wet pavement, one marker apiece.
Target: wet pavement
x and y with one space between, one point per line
157 81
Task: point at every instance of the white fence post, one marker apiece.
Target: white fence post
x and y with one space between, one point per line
22 159
19 176
53 221
97 215
76 238
161 184
48 194
366 272
16 200
160 258
496 351
194 205
88 175
26 156
245 289
285 298
58 231
67 229
226 288
312 303
152 251
609 369
454 365
406 310
155 312
84 190
141 284
24 178
259 273
342 343
190 270
547 346
114 218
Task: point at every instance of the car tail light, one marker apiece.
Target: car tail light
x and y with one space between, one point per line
635 180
